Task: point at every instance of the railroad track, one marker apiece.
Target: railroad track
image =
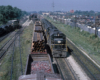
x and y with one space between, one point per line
7 44
65 69
2 38
20 50
7 41
88 66
12 58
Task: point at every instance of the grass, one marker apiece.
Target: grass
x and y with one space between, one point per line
82 39
25 42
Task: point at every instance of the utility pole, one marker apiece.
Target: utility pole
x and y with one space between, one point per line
75 21
96 22
95 25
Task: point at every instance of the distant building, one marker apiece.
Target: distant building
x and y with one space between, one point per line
46 13
71 11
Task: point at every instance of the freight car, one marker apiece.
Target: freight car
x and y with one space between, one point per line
10 26
38 41
39 67
56 39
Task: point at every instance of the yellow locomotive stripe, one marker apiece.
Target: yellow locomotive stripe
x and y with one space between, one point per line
58 44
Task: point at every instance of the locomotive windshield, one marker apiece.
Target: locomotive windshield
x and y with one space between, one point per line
59 43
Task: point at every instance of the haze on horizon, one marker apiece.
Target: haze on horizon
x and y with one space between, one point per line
60 5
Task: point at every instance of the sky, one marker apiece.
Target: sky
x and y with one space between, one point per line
60 5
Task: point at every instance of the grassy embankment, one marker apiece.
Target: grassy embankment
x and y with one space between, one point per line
82 39
5 68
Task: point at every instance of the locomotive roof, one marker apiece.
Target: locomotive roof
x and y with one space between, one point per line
56 33
10 21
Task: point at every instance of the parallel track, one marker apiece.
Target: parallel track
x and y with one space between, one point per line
6 46
65 69
89 67
20 51
7 42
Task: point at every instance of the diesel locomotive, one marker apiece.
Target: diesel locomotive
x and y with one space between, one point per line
55 39
9 26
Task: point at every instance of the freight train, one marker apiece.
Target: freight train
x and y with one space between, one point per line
39 65
10 26
55 39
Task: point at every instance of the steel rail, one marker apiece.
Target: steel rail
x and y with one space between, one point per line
60 70
20 55
12 59
1 54
69 68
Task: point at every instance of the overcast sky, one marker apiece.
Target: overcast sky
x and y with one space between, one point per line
46 5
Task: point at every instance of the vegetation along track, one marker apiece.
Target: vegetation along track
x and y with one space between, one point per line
7 44
89 67
65 69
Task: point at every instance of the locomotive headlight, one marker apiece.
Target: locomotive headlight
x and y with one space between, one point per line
59 41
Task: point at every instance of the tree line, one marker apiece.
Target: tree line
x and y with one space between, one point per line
9 13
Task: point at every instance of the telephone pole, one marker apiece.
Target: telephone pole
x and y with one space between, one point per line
75 21
96 25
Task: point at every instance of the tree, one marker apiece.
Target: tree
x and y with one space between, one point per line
9 13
